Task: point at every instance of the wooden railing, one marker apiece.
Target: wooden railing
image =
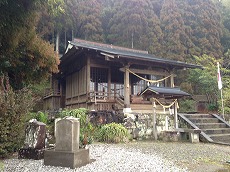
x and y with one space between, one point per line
51 92
105 100
101 96
119 100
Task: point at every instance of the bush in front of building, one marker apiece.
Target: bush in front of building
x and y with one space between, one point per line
112 133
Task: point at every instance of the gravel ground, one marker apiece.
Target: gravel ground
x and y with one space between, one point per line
140 157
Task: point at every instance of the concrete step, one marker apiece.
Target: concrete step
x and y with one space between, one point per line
198 116
204 120
213 128
217 131
210 125
220 137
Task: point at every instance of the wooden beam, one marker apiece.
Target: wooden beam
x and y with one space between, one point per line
99 66
147 71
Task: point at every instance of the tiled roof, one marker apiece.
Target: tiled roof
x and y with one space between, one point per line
128 53
165 92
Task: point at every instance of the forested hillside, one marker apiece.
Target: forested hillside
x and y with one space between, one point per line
176 29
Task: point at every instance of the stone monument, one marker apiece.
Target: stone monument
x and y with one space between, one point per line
34 144
66 152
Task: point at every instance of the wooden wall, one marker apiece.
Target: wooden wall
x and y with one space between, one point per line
52 103
76 88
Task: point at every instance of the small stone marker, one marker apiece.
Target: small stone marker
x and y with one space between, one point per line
67 152
67 135
34 142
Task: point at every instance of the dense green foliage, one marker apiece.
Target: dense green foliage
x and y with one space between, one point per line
204 82
25 57
176 29
112 133
86 128
14 107
39 116
187 106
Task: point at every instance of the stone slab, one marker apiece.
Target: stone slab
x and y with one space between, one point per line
67 135
30 153
69 159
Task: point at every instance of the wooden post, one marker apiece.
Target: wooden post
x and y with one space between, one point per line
172 80
115 91
154 120
109 84
126 88
87 81
175 116
88 75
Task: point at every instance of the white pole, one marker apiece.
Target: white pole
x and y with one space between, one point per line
154 120
220 88
175 115
222 102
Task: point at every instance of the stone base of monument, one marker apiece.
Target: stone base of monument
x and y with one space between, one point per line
69 159
31 153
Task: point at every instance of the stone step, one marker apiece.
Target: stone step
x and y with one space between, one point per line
198 116
220 137
217 131
204 120
211 125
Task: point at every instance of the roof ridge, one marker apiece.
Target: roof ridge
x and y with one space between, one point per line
108 46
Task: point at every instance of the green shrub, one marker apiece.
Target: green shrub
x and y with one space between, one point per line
112 133
42 117
39 116
86 128
213 107
1 166
187 106
14 107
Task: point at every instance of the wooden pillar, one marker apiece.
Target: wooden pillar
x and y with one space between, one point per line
87 81
109 83
126 88
175 116
172 80
154 120
166 82
115 91
88 75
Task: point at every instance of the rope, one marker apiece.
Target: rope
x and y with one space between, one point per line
148 80
166 106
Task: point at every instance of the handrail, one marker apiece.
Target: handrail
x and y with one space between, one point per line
101 95
120 101
221 119
194 126
51 92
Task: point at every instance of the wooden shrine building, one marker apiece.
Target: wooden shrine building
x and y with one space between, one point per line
106 77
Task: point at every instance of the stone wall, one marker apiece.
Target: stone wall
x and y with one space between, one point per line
140 125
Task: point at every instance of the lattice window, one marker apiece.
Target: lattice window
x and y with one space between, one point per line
98 79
